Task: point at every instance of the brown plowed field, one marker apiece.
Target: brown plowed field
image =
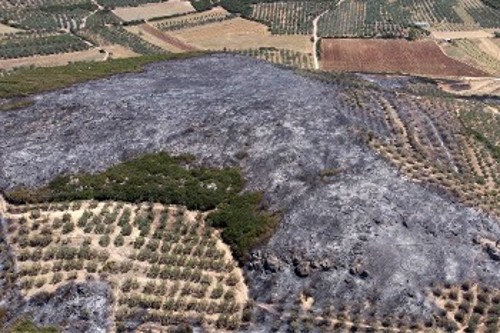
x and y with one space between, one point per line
393 56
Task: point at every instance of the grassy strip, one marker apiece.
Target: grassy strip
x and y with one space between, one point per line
34 80
169 180
16 104
27 326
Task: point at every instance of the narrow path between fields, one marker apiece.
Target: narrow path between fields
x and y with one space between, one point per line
315 35
316 38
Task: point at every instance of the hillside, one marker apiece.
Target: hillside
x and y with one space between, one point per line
387 189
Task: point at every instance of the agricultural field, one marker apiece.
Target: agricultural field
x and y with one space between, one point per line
161 39
239 34
396 56
155 10
213 15
380 18
287 58
324 186
163 259
480 53
472 86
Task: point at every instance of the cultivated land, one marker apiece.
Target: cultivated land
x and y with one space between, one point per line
148 11
154 257
239 33
95 54
421 58
358 166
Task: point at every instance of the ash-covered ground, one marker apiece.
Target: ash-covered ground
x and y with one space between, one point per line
353 231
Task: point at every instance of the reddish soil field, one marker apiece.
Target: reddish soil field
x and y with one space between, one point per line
395 56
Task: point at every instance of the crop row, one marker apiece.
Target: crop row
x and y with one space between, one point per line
484 60
426 140
293 17
280 56
189 22
118 35
47 45
157 258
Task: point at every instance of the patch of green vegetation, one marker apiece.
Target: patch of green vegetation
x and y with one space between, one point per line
201 5
27 326
244 224
152 177
16 104
168 180
28 81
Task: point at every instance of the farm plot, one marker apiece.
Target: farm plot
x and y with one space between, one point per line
160 259
291 17
464 161
54 60
118 35
422 57
282 57
239 34
213 15
36 45
471 52
160 39
149 11
346 20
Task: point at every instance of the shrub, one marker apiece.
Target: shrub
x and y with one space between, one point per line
66 218
119 241
68 227
40 282
91 267
126 229
104 240
139 242
217 292
56 278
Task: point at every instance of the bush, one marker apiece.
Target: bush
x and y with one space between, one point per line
104 240
68 227
119 241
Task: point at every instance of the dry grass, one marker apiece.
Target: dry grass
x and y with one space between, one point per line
94 54
5 29
240 34
461 34
169 8
473 86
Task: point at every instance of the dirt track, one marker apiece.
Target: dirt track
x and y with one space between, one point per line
391 56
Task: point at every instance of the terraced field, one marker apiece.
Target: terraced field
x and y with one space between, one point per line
382 18
156 258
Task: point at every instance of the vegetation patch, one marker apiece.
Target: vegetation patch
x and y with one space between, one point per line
167 180
15 104
27 326
34 80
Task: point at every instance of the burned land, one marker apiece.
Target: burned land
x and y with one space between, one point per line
356 230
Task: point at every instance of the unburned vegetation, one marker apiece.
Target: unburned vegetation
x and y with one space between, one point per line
167 180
